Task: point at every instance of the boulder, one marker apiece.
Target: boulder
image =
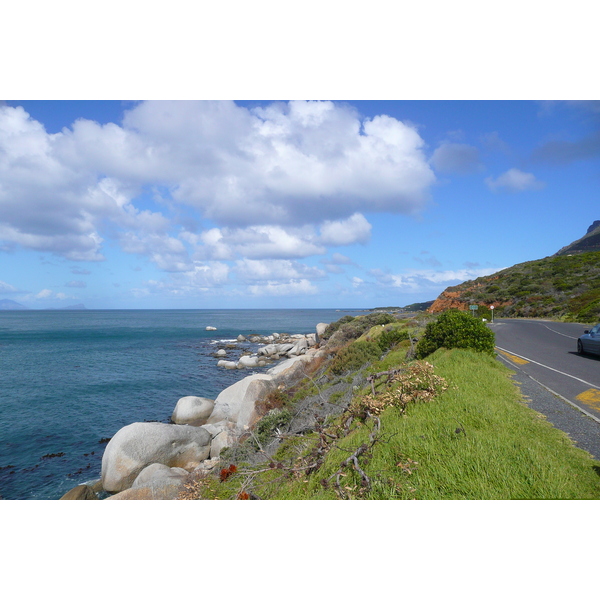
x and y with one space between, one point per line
241 338
248 362
168 491
209 328
268 350
221 352
236 404
290 371
321 327
81 492
192 410
284 348
300 347
227 364
138 445
225 439
158 475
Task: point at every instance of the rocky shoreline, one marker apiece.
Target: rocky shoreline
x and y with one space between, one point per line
151 461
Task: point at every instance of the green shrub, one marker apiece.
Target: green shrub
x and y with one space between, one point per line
355 355
274 419
352 329
333 327
456 329
390 338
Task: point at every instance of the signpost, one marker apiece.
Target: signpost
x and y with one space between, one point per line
473 307
492 309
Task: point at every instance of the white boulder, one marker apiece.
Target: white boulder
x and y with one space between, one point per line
321 327
248 362
158 475
227 364
138 445
192 410
225 439
237 403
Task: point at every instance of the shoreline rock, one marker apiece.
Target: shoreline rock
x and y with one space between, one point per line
149 461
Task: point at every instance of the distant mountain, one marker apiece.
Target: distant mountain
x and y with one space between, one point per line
72 307
590 242
566 286
11 305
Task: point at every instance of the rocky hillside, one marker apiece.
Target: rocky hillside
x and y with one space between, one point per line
590 242
565 286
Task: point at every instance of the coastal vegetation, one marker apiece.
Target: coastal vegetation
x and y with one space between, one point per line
378 418
565 287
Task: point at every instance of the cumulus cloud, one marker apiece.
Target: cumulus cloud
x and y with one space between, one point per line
514 180
202 277
285 164
348 231
260 241
461 159
275 270
302 287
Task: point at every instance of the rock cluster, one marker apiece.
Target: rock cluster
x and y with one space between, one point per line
152 460
275 347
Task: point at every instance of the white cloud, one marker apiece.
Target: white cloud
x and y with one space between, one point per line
275 270
456 158
426 280
349 231
76 284
201 278
303 287
262 241
514 180
6 288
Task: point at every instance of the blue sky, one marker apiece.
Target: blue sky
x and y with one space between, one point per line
182 204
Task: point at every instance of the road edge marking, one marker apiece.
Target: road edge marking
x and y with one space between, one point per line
582 410
550 368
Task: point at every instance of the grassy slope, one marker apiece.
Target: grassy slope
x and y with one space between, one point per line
477 440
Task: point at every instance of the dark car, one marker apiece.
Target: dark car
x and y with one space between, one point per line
589 342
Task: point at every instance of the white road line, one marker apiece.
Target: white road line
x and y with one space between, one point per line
550 368
585 412
559 333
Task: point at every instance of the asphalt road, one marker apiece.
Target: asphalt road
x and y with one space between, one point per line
558 382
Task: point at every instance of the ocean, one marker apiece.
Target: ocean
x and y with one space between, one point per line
69 380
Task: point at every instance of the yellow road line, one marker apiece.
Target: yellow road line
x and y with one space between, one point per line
515 359
590 397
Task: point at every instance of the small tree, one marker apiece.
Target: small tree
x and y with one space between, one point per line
456 329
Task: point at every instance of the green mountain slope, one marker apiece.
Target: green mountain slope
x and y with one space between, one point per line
565 287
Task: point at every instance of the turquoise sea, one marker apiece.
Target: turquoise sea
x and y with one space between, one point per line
69 380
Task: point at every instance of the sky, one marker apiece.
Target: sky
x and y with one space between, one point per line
248 157
275 204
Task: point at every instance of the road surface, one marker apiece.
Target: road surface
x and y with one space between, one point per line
562 384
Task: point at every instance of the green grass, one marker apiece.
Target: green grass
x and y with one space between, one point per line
477 440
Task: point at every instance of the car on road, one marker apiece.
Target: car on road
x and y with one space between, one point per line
589 342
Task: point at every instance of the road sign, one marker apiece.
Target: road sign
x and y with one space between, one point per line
492 307
473 307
